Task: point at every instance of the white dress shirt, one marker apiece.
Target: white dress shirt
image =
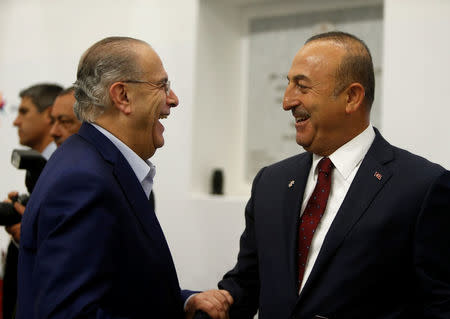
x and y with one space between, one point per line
48 150
144 170
347 160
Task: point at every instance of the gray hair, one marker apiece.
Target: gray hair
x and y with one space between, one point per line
110 60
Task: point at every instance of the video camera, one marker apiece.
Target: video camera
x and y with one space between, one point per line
34 163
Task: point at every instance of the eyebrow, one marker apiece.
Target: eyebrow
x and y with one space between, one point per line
299 77
163 80
63 116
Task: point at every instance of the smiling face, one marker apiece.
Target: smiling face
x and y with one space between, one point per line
152 103
319 113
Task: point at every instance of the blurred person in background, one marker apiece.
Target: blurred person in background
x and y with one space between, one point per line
33 123
65 122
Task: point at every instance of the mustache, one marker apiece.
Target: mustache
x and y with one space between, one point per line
300 112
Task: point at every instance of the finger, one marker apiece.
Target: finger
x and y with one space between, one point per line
219 300
209 307
14 231
220 304
227 295
225 298
19 208
13 194
208 302
12 228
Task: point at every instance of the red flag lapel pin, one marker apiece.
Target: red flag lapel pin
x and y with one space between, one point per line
378 176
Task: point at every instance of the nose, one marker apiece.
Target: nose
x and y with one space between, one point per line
54 131
172 99
290 99
16 121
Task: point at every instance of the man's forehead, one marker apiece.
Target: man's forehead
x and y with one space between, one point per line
320 51
152 64
317 56
27 102
63 103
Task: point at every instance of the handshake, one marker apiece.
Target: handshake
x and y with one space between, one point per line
210 304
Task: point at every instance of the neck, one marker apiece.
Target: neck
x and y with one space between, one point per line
117 127
42 144
335 143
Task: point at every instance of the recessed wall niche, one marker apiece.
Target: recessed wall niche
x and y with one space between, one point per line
244 51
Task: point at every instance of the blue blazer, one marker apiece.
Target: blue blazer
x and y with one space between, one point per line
386 254
91 245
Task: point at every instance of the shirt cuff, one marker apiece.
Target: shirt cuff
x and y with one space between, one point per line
185 303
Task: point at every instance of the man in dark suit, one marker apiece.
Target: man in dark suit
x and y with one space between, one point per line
91 245
354 227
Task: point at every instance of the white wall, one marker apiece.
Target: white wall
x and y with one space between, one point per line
219 114
416 107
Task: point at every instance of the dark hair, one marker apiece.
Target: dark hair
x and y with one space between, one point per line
42 95
67 91
356 65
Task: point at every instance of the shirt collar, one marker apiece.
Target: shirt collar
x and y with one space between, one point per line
350 155
144 170
48 150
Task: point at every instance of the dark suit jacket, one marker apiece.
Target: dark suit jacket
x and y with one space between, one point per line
386 254
91 245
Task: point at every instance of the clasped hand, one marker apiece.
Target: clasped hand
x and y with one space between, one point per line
216 303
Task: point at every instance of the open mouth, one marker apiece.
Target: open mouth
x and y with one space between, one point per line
163 116
302 118
300 115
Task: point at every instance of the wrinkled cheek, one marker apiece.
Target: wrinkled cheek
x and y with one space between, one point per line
156 104
158 138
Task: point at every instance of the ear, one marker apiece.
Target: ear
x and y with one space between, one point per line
118 93
355 94
48 115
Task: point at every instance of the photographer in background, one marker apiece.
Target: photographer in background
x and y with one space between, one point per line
34 123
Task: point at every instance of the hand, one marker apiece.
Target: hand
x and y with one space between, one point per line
12 196
215 303
14 230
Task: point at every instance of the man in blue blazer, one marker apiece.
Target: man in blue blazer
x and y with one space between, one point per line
91 244
378 244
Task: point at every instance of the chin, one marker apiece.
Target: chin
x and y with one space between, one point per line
159 143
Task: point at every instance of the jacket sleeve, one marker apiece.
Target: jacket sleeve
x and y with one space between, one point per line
74 265
432 250
243 280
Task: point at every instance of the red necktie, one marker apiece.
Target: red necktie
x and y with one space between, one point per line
312 214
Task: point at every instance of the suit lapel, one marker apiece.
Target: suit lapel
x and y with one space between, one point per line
135 195
127 180
291 213
133 191
369 180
